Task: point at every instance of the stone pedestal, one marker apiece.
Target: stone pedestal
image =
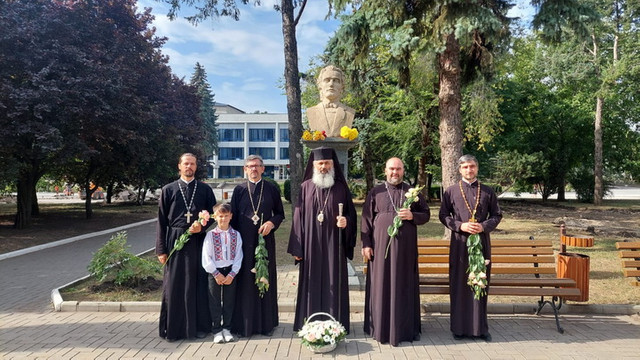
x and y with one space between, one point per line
340 145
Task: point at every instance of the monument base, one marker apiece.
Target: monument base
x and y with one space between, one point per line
341 147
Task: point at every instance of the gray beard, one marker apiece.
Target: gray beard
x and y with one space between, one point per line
324 181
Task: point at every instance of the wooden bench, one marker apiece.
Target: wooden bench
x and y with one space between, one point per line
519 268
630 255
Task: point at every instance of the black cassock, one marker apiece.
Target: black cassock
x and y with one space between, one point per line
392 301
184 310
321 268
253 314
468 316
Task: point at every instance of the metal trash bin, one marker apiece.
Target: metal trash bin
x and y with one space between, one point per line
575 266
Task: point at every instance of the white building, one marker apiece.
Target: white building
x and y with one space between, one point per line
241 134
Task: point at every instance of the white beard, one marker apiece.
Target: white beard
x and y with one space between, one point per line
324 181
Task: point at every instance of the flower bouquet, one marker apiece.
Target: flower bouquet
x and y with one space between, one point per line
315 136
261 268
348 133
411 196
477 267
203 219
322 336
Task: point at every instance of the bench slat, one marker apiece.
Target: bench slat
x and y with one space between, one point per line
631 263
511 270
631 273
523 270
522 291
442 259
521 243
629 254
552 282
511 291
521 251
499 259
522 259
628 245
433 251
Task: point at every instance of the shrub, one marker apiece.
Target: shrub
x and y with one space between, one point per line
583 181
358 190
113 262
287 190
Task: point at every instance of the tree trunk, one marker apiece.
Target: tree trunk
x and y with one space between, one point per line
450 117
88 210
109 194
598 190
35 207
368 168
25 197
294 108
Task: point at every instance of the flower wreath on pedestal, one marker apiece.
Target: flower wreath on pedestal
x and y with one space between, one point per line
322 336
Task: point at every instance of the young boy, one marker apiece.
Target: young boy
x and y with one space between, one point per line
222 258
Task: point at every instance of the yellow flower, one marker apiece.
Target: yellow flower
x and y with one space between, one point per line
307 135
353 134
318 135
348 133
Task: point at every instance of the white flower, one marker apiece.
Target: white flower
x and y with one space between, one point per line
472 276
482 275
487 262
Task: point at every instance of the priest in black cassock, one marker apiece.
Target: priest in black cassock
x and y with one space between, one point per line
392 293
257 208
468 207
314 241
184 312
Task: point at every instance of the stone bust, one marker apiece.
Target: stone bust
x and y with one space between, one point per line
330 115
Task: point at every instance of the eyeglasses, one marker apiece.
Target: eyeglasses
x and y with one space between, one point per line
253 166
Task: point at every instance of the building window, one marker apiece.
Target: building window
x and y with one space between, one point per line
266 153
262 135
231 134
231 154
229 172
284 135
284 153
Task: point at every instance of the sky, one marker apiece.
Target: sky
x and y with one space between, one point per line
244 59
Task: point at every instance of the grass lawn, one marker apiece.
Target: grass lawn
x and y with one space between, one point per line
521 220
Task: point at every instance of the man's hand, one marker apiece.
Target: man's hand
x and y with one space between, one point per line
195 227
266 228
162 258
341 222
298 258
405 214
472 227
367 253
228 280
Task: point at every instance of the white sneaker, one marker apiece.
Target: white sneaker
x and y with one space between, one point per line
227 336
218 338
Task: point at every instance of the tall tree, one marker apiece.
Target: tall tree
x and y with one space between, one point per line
208 8
207 109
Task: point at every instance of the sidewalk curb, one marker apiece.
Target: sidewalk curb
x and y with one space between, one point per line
70 240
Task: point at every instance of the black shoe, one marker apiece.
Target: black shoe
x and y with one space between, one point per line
416 337
201 334
170 340
458 337
486 337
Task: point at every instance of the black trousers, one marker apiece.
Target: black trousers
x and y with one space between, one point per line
222 299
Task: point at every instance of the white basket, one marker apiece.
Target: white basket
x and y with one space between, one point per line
325 348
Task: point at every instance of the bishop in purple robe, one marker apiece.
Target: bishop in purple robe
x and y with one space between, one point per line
468 207
321 240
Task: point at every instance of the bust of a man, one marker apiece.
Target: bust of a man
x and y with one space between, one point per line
330 115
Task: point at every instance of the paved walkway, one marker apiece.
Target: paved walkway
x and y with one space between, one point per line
29 329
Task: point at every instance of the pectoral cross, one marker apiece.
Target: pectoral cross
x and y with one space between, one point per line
188 215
